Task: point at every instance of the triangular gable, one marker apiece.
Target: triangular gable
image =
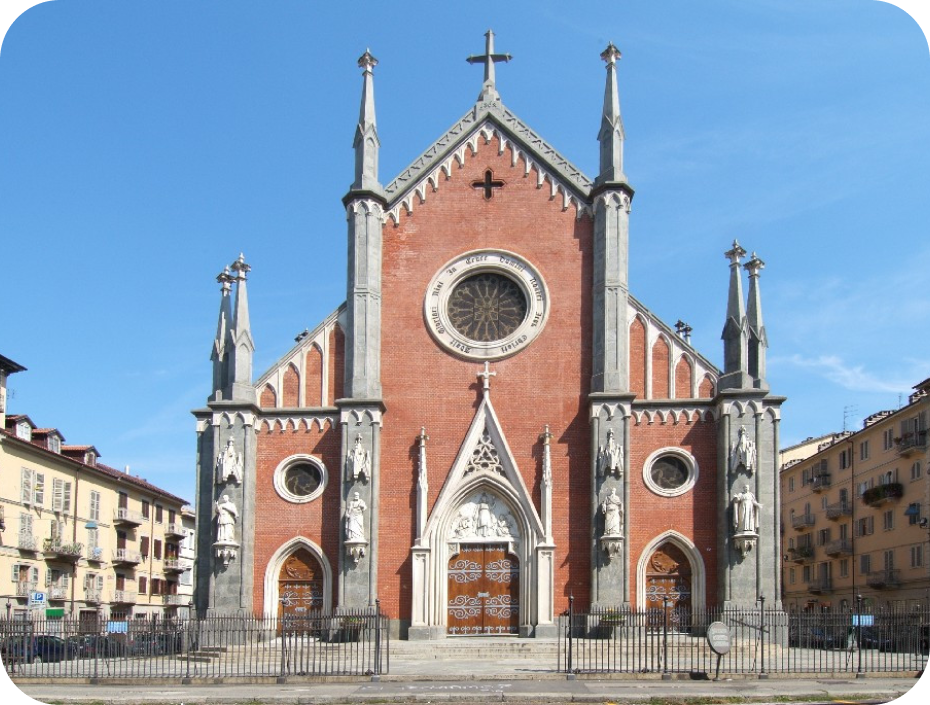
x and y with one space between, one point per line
487 121
484 461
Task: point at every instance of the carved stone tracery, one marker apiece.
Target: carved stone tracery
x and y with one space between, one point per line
484 457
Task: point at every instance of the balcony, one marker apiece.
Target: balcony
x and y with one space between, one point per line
876 496
95 554
802 521
56 550
175 529
801 554
884 579
24 588
839 510
93 597
126 517
123 556
840 547
820 585
27 542
911 443
124 597
177 600
821 482
58 592
173 565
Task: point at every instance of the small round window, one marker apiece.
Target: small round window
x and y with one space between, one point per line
300 478
670 471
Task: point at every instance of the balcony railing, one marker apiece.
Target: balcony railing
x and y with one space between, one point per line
176 600
911 443
58 592
821 584
27 542
127 517
174 529
881 579
125 597
802 521
92 596
24 589
56 550
174 565
840 547
801 554
821 482
95 554
124 556
839 510
875 496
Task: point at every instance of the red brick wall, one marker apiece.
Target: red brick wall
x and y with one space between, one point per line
290 387
706 388
638 358
337 359
268 398
660 369
314 373
683 376
545 383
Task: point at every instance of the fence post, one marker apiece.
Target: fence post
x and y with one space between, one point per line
571 629
282 677
859 673
762 673
666 676
377 674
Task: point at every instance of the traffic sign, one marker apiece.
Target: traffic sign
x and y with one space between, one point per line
37 599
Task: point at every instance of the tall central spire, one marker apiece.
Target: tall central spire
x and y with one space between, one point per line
489 58
366 142
611 135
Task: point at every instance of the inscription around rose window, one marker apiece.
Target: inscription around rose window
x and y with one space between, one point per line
487 307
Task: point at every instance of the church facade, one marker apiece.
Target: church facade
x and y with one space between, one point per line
491 423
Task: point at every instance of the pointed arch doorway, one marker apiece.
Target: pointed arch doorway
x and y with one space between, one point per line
483 591
300 585
668 585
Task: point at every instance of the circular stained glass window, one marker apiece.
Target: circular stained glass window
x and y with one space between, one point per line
669 472
300 478
486 307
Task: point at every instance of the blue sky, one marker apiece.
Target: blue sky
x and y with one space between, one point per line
143 145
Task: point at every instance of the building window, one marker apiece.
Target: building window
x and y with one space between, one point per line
24 431
54 443
844 459
887 441
300 478
61 495
172 515
917 553
158 513
865 564
143 585
144 546
889 560
844 568
791 484
864 450
146 510
888 520
823 537
156 549
791 575
915 471
94 505
670 472
913 513
865 526
807 573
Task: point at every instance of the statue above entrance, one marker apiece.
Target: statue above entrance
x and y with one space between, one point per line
483 516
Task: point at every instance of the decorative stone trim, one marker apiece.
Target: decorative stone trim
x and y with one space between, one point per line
294 423
673 415
281 470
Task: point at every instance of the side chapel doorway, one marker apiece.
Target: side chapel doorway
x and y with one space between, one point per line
484 591
300 586
668 576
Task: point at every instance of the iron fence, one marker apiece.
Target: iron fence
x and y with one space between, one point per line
343 643
761 641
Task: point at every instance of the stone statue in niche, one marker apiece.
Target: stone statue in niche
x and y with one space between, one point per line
359 461
229 465
745 512
355 519
610 456
612 509
226 516
480 518
744 452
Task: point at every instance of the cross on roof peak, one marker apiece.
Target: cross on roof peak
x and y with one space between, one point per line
486 375
489 58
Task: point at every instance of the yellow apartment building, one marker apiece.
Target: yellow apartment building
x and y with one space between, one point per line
854 514
79 539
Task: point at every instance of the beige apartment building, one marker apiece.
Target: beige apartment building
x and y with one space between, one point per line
854 514
79 539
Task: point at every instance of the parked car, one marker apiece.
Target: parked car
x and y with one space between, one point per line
815 637
38 649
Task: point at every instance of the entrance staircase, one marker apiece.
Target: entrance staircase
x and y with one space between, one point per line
474 657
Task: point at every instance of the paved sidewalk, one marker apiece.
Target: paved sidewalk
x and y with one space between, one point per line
422 691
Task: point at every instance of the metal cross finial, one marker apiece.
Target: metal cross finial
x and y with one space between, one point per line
367 61
489 58
611 54
486 375
240 267
225 279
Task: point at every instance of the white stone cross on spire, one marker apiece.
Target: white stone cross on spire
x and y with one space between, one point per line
489 58
486 375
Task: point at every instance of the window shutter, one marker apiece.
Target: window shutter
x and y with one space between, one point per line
39 489
25 524
66 498
95 505
100 583
48 577
35 575
26 486
15 573
58 490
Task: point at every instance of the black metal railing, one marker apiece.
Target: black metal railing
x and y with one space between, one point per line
763 640
352 643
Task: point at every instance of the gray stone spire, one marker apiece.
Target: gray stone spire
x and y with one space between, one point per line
736 329
239 341
219 352
757 338
611 135
366 142
489 58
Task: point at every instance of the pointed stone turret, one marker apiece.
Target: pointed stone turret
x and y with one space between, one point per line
489 58
366 142
736 329
757 338
239 341
611 135
218 354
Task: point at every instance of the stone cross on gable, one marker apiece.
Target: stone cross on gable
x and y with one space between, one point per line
489 58
486 375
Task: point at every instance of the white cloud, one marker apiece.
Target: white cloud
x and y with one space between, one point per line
848 376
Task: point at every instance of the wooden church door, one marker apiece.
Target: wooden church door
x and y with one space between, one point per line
668 575
300 585
484 591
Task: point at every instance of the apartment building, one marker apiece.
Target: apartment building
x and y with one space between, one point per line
854 514
81 539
